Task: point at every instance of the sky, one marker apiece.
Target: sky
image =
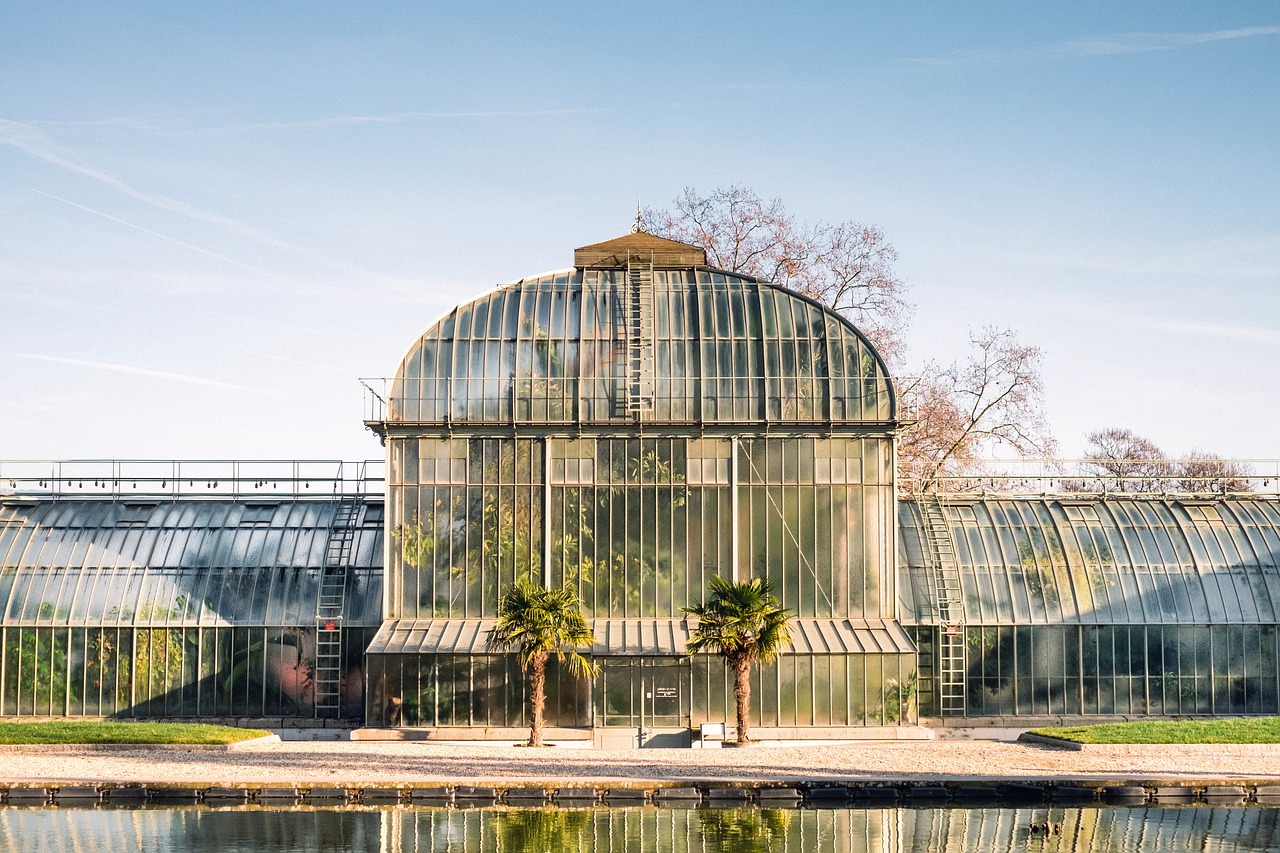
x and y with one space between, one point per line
216 218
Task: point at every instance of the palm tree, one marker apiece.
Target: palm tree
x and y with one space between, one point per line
742 623
536 623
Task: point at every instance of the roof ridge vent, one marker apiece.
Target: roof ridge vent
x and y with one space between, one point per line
639 246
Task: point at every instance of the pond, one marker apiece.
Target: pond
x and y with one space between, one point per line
400 829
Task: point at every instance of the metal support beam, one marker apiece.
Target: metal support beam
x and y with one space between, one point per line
735 551
546 513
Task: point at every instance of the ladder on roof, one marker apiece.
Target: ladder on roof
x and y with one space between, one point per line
330 605
941 553
640 332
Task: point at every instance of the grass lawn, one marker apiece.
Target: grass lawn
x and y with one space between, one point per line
1235 730
99 732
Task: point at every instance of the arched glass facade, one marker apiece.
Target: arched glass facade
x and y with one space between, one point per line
632 428
718 349
1105 606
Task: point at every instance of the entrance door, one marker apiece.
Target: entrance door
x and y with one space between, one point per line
650 696
663 700
664 703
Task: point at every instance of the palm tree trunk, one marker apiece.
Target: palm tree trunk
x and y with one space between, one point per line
537 696
742 696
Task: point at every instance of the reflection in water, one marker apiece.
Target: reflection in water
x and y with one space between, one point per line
641 830
535 829
743 830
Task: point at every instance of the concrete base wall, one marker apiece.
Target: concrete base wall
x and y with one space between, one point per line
238 722
631 738
469 734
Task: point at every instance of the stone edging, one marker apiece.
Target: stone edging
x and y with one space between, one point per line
1214 748
809 794
1055 742
72 748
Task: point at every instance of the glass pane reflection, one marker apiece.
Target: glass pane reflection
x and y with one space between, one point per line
1115 830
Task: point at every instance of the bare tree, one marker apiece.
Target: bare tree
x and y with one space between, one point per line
995 399
846 266
1118 460
1208 472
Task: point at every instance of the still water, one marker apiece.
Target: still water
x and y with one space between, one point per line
419 830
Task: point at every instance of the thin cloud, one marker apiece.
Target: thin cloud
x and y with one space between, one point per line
126 122
1106 45
764 87
174 130
329 333
356 120
1108 311
341 371
1224 331
135 371
1243 257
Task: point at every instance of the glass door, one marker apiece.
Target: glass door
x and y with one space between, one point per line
665 700
644 693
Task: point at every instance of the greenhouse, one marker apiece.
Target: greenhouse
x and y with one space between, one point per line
150 600
630 427
1085 605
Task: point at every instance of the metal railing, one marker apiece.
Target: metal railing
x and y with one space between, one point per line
1103 477
146 478
568 399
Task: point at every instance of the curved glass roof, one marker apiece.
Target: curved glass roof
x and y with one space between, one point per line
661 345
1104 561
191 562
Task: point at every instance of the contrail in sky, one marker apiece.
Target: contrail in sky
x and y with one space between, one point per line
28 139
164 237
136 371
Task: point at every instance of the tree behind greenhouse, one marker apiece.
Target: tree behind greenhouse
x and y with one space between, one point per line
961 412
1120 461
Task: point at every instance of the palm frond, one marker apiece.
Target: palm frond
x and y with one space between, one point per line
741 619
534 621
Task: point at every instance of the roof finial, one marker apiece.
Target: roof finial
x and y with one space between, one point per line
637 227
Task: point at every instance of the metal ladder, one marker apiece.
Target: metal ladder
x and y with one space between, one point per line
330 604
640 385
941 553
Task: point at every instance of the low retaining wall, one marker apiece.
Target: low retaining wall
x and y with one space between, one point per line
619 736
685 795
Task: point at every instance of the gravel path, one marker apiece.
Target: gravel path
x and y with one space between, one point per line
365 763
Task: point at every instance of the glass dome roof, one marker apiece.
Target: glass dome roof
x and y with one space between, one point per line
636 343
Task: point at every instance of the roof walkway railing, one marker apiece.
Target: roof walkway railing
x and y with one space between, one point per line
262 479
751 398
1203 476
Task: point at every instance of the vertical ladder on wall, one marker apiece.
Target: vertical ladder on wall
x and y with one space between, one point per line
941 553
330 604
640 385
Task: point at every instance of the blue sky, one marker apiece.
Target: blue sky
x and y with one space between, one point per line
215 220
